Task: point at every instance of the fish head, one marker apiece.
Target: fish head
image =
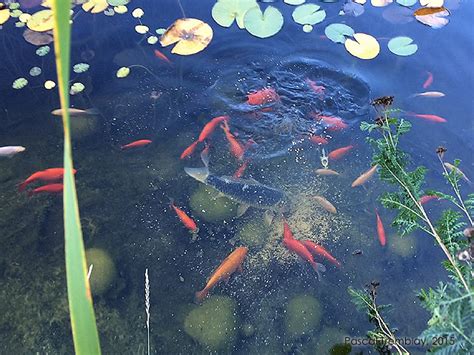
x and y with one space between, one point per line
20 149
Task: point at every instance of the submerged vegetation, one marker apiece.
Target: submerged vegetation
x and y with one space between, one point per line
451 304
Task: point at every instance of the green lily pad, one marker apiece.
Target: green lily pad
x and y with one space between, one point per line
160 31
294 2
402 46
264 24
76 88
308 14
407 2
337 32
117 2
224 12
35 71
80 68
307 28
42 51
19 83
123 72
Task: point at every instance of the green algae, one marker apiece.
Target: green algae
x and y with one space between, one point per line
253 233
103 272
302 316
208 205
403 246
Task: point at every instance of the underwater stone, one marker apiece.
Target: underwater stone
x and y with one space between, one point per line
214 323
303 315
403 246
103 272
247 330
253 233
206 204
82 127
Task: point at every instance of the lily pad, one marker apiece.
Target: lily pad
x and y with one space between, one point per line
141 29
49 84
307 28
123 72
407 2
160 31
35 71
95 6
264 24
308 14
118 2
353 9
435 17
37 38
398 15
80 68
16 13
4 16
42 51
432 3
121 9
19 83
20 24
77 88
152 40
294 2
24 17
402 46
138 13
337 32
363 46
190 35
41 21
224 12
380 3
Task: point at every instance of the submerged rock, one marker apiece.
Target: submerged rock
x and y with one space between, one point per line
404 246
206 204
254 233
214 323
103 272
303 315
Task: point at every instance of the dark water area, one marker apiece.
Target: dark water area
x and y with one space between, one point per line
124 195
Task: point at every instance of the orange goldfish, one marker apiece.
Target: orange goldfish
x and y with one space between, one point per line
326 172
189 150
318 89
328 206
51 188
136 144
319 250
51 174
428 81
187 221
297 247
211 126
380 230
240 171
339 152
318 140
428 117
161 56
426 198
263 96
230 265
334 123
235 147
365 176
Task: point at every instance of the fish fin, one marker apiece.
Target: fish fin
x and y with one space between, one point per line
241 209
92 111
268 217
200 295
240 269
22 186
205 157
200 174
319 268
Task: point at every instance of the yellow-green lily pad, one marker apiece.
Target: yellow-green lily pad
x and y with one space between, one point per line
264 24
123 72
20 83
308 14
224 12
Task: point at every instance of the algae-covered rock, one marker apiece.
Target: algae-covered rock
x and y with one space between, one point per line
254 233
328 339
82 126
303 315
103 272
206 204
404 246
214 323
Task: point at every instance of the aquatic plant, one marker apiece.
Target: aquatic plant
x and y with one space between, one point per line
451 303
83 323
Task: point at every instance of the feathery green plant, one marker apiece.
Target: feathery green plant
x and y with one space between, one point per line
84 329
451 303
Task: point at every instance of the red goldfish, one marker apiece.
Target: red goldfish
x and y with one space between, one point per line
380 230
319 250
334 123
339 152
365 176
161 56
297 247
136 144
318 140
426 198
51 188
428 81
328 206
240 171
235 147
263 96
52 174
189 150
432 118
230 265
315 87
287 234
211 126
187 221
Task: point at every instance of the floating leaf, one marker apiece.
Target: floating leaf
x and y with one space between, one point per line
152 40
123 72
121 9
4 16
363 46
118 2
41 21
20 83
352 9
434 17
362 2
264 24
160 31
95 6
42 51
432 3
307 28
20 24
16 13
109 12
294 2
224 12
37 38
14 6
337 32
141 29
380 3
80 68
190 35
398 15
24 17
35 71
308 14
402 46
138 13
49 84
76 88
407 2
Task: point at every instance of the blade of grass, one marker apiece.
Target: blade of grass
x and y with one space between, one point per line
83 324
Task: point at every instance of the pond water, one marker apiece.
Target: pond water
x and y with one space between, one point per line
276 304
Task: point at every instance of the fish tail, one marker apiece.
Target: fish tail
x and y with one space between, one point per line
92 111
201 295
22 186
30 193
200 174
319 268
